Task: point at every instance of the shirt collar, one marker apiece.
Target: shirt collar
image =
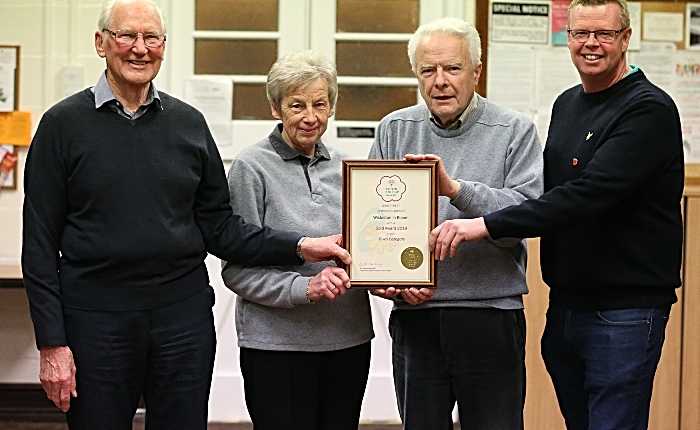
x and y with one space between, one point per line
104 94
471 107
288 153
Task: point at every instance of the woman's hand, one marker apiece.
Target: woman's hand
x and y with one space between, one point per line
331 282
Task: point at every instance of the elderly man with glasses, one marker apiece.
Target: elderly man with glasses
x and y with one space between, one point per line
610 222
125 194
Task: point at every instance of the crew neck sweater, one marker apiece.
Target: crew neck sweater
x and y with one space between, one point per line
497 158
119 214
610 217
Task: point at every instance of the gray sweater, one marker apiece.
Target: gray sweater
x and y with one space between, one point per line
497 158
268 187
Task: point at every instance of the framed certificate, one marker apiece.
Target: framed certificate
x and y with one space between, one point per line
389 209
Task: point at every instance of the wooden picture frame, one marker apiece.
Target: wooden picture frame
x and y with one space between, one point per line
389 209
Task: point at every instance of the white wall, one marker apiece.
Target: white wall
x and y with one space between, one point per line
55 34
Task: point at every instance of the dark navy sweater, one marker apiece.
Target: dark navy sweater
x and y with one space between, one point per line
610 217
119 214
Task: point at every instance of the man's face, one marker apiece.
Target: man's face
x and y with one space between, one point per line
131 67
445 75
599 64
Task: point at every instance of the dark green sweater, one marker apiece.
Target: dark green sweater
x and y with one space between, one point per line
610 217
119 214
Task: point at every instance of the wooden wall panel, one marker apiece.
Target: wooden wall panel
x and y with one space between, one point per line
690 390
541 408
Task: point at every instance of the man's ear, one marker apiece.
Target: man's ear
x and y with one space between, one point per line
99 42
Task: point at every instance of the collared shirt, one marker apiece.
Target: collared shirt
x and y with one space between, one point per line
471 107
104 95
288 153
634 69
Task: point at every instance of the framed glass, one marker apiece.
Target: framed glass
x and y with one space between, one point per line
389 210
372 102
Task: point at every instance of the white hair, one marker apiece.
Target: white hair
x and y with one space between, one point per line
105 20
450 27
297 69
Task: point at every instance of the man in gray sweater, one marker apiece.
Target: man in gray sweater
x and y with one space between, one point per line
465 341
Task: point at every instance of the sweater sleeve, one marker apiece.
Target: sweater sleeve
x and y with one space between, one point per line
523 176
634 153
44 217
268 286
229 236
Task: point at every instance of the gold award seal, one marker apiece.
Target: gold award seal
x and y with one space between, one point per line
411 258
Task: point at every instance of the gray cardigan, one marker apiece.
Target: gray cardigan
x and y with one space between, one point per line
268 187
497 158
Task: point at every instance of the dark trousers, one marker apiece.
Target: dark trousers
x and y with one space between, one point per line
603 363
165 354
475 357
292 390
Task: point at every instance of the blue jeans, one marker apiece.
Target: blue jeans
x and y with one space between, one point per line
602 365
474 357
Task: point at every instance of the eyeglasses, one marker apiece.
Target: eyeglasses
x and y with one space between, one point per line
604 36
128 38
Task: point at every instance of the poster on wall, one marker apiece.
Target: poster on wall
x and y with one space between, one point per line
663 26
686 96
635 9
658 61
513 90
560 15
520 22
214 98
8 70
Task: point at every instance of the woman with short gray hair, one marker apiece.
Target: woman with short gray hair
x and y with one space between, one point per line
304 337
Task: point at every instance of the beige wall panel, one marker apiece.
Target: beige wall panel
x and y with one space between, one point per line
86 26
16 31
20 358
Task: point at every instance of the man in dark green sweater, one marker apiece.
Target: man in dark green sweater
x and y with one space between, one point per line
610 223
125 194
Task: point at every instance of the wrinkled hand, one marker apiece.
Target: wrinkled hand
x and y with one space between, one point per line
331 282
448 235
57 375
386 293
446 185
314 249
416 296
